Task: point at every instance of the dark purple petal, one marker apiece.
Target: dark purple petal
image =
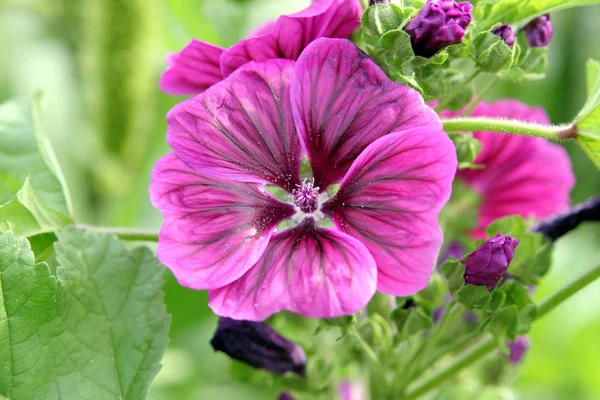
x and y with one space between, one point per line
319 273
506 33
241 128
539 31
192 70
486 265
390 200
259 345
518 348
559 225
292 33
214 230
285 396
342 101
438 24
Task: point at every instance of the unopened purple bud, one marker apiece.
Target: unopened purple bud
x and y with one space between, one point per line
373 2
539 31
285 396
259 345
486 265
506 33
438 24
558 225
518 348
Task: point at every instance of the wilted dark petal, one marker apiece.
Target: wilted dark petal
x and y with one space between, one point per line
559 225
213 230
259 345
518 348
342 101
390 200
241 128
319 273
192 70
486 265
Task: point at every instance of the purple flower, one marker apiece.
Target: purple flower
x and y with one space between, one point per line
259 345
200 65
373 2
506 33
438 24
539 31
352 390
518 348
374 137
486 265
285 396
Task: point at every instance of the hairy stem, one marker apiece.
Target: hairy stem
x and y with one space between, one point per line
509 126
143 235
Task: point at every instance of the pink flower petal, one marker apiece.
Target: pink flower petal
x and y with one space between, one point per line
342 101
241 128
523 176
192 70
390 200
214 230
290 34
319 273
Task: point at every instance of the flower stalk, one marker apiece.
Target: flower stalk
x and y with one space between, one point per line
556 133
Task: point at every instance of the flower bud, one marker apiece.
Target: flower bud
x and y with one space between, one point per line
559 225
285 396
507 34
372 2
518 348
539 31
438 24
259 345
486 265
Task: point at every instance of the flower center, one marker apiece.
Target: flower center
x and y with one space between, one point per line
306 196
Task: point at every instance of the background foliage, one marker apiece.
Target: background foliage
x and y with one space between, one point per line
98 64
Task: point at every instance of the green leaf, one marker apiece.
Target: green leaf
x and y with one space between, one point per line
98 332
504 324
454 272
588 120
26 152
27 215
518 12
473 297
399 48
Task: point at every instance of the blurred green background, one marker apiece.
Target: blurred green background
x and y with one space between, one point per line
98 64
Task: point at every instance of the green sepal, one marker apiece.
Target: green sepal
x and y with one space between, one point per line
497 300
399 48
473 297
454 272
467 149
504 324
409 322
381 18
491 53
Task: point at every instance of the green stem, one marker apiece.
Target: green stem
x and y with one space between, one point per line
509 126
141 235
550 303
445 100
475 355
488 345
484 92
365 346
